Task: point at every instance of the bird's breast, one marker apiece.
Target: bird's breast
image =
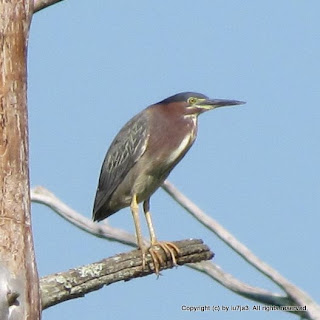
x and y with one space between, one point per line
178 150
168 145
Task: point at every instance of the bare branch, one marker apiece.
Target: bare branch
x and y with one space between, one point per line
299 297
101 230
77 282
243 289
41 4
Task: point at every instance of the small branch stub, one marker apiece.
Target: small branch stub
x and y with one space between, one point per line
12 297
79 281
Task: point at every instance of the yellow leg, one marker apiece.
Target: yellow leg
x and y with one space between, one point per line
146 209
135 213
169 248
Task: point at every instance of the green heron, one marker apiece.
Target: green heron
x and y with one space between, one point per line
142 156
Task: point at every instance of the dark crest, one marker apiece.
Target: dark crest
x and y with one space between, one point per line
183 96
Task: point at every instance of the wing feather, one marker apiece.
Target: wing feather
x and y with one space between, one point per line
126 149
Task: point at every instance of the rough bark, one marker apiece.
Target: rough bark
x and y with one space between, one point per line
79 281
19 289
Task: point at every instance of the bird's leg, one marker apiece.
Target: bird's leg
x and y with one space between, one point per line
135 213
146 209
169 248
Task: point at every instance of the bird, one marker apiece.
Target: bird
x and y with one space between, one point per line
141 157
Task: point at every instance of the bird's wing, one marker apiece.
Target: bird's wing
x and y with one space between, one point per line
126 149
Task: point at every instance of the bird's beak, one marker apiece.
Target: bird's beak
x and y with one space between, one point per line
209 104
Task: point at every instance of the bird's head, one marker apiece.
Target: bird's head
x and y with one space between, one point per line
192 103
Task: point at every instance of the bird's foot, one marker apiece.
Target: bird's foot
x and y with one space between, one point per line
170 249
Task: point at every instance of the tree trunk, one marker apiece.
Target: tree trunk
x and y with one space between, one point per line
19 285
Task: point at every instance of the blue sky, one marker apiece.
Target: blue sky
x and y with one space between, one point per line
254 168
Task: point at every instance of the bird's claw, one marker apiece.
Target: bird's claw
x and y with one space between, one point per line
170 249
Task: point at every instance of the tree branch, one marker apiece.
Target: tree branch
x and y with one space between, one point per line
79 281
299 297
100 230
243 289
41 4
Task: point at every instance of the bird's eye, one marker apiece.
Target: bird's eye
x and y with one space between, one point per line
192 100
